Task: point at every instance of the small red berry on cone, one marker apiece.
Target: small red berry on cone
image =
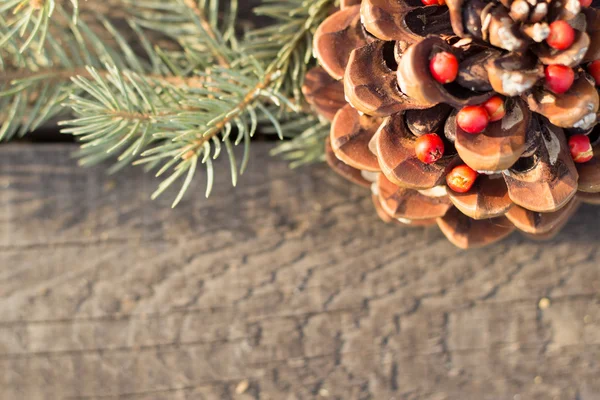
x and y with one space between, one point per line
594 70
461 179
581 148
473 119
434 2
444 67
562 35
585 3
559 78
495 108
429 148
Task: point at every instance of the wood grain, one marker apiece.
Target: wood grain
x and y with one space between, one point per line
286 288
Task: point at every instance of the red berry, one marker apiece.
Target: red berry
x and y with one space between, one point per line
581 148
473 119
429 148
444 67
461 179
434 2
594 70
495 108
585 3
559 78
562 35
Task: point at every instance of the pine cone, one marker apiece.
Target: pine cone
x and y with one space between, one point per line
377 54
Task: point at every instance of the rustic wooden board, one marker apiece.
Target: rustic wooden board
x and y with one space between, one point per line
286 288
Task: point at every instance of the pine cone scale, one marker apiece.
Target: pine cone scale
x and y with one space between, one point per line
395 149
409 204
417 83
487 199
502 143
370 84
350 136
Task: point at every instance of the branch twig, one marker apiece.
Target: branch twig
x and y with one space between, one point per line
215 130
66 74
191 4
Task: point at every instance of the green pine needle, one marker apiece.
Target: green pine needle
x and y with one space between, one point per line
172 107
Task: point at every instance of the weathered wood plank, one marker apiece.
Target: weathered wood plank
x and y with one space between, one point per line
289 283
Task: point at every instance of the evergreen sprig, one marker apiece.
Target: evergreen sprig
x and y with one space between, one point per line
34 84
29 20
286 45
306 134
117 114
198 26
171 109
228 100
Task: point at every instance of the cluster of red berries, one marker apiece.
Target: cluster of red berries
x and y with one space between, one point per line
472 119
430 148
560 78
584 3
475 119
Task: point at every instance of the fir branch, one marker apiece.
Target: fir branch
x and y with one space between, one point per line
213 115
117 115
53 75
30 21
286 45
123 113
170 111
195 24
231 100
34 86
307 134
208 29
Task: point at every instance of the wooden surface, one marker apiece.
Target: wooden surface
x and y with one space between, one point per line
286 288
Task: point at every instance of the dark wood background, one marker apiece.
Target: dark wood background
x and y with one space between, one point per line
288 287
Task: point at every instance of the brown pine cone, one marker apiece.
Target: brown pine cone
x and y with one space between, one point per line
377 53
